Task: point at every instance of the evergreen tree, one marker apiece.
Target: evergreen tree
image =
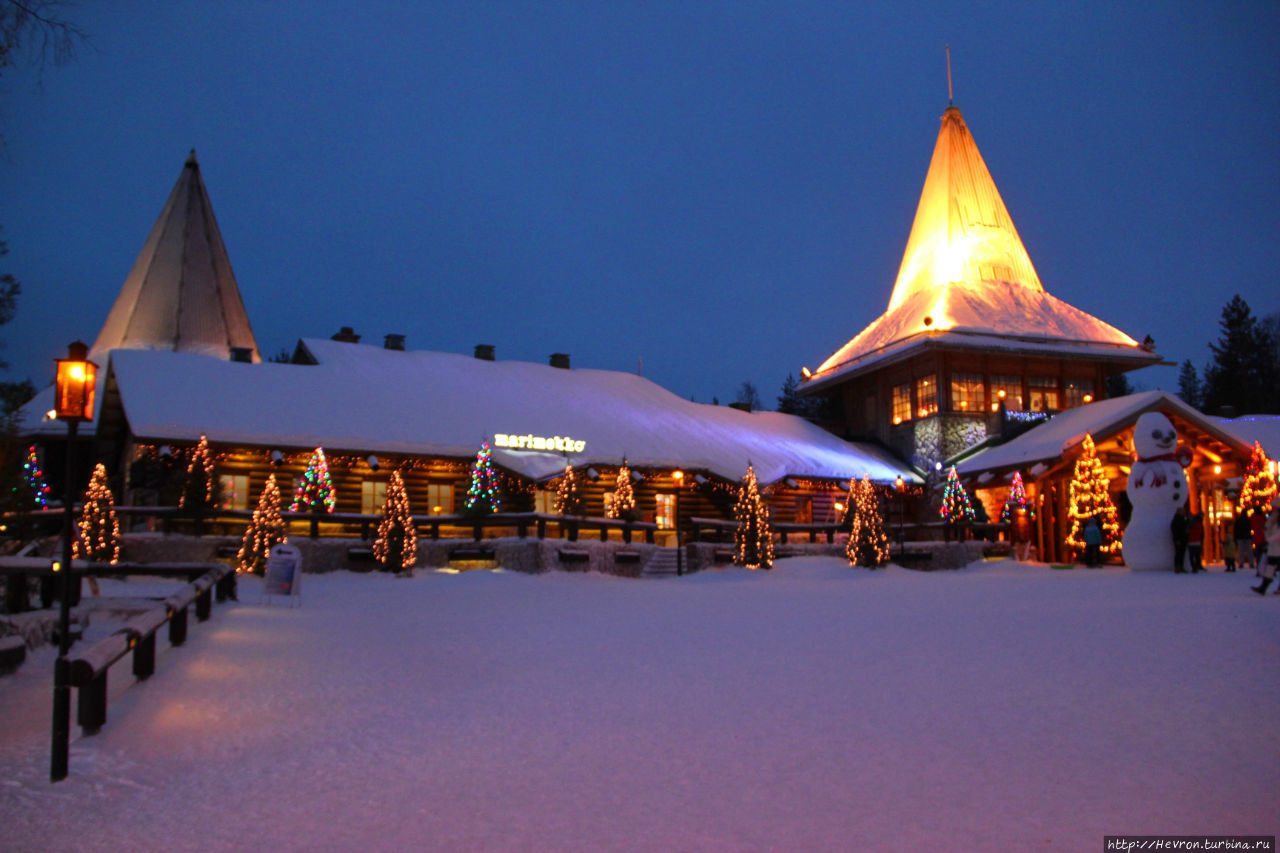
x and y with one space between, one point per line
266 530
868 543
1117 385
753 540
748 396
199 486
569 497
624 496
1259 486
1242 373
30 492
99 540
790 402
956 506
1017 499
396 547
1189 387
482 496
1088 496
315 492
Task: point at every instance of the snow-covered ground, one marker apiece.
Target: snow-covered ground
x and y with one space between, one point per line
815 707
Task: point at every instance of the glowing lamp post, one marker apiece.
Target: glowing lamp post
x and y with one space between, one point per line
678 477
73 403
900 487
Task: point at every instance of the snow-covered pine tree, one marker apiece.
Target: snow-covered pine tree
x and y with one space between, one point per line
868 543
1259 486
266 530
199 487
1017 499
624 496
396 547
569 497
1089 496
99 539
315 492
955 500
483 496
753 540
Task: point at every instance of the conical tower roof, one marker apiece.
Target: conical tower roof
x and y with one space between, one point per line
181 294
966 276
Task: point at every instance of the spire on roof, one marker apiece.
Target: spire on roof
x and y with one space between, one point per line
181 294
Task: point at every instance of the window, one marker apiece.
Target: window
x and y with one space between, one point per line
926 396
804 510
544 500
1077 392
373 494
901 403
664 514
1044 393
1007 389
440 498
235 491
966 392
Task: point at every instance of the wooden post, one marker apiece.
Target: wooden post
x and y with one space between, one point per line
91 710
542 528
573 531
178 628
144 657
626 533
204 604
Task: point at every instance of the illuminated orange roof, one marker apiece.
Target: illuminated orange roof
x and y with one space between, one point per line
965 274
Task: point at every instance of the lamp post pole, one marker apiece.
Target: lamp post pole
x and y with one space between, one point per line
902 514
61 666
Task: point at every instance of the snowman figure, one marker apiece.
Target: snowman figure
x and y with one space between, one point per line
1157 486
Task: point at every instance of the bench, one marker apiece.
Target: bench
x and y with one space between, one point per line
909 559
574 555
620 557
13 651
722 555
471 554
228 552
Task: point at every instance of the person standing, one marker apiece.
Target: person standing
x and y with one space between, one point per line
1272 528
1195 542
1243 537
1092 542
1180 528
1229 547
1258 538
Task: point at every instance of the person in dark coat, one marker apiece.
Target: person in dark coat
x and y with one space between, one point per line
1092 542
1244 538
1195 542
1180 528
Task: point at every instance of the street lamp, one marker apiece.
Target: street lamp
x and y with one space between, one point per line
678 476
900 487
73 403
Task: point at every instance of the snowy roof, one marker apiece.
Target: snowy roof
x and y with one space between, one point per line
966 272
371 399
181 294
1264 429
1046 442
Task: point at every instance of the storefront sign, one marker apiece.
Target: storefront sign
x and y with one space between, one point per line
561 443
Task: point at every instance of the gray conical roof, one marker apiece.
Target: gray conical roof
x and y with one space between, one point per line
181 294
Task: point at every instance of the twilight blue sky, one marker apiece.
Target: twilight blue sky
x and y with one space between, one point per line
723 189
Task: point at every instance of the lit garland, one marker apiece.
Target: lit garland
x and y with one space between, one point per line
1259 486
31 491
753 540
265 531
1017 500
198 489
99 540
315 493
624 498
955 500
868 543
482 496
396 547
1089 497
569 498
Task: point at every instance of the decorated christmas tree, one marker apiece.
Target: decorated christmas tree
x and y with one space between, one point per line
753 540
1017 500
396 547
482 497
569 498
99 539
315 493
265 530
1089 497
1259 486
30 492
955 500
199 486
868 543
624 498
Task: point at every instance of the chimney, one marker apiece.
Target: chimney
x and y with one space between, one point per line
484 352
242 354
560 359
395 342
346 335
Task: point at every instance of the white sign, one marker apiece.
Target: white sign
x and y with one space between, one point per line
537 442
283 575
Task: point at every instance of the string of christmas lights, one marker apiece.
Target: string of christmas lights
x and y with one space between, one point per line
198 491
753 539
315 492
569 497
1259 487
483 495
1017 500
266 530
396 547
624 497
1089 496
956 506
868 543
31 491
99 539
